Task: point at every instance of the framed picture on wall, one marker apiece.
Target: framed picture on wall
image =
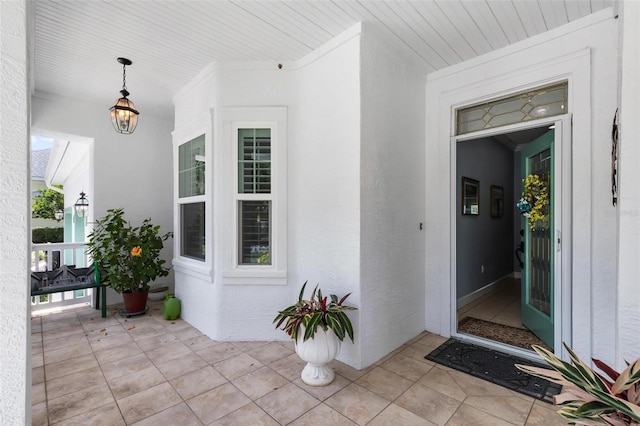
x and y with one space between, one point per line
470 196
496 197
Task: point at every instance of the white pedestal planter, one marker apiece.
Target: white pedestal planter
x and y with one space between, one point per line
317 352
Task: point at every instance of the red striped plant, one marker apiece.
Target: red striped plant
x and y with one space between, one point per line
591 398
319 310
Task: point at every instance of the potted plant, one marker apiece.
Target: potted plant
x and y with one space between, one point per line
590 398
318 325
128 256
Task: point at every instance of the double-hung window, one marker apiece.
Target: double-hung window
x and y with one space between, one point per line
191 202
257 227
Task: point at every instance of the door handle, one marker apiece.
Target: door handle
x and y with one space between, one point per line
558 239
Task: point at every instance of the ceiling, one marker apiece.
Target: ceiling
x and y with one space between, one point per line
170 42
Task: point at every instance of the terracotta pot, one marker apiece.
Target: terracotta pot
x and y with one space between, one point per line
317 352
136 302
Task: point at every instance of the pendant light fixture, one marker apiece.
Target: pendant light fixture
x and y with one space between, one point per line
124 115
82 205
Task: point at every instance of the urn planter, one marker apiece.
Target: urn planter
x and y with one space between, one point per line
317 352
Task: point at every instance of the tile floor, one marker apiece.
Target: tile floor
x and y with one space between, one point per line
501 306
147 371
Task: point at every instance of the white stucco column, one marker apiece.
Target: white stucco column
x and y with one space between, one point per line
629 189
15 324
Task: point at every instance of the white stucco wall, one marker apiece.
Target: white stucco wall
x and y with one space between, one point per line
629 190
15 214
129 171
392 159
585 52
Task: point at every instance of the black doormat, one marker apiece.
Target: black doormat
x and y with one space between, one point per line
495 367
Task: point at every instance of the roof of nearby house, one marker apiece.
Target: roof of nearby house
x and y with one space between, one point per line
39 161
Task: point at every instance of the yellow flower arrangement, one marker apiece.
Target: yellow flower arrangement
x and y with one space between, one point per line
136 251
534 200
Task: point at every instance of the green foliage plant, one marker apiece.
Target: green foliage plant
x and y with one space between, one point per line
319 310
45 203
588 397
128 255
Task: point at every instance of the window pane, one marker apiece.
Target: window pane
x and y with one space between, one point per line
538 103
192 242
191 167
254 161
255 232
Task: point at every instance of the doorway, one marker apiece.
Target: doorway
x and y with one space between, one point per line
508 268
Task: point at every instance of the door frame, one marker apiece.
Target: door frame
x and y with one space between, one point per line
563 237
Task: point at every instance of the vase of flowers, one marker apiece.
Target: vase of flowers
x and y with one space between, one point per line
533 202
128 257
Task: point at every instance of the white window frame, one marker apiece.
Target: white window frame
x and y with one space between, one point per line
198 127
274 118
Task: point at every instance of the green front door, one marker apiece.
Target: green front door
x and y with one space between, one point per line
538 272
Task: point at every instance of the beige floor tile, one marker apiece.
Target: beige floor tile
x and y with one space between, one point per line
179 414
111 341
64 331
148 402
396 415
174 326
347 371
177 367
432 341
322 415
101 333
65 325
250 414
269 353
417 352
68 366
544 414
324 392
260 382
219 352
440 380
96 322
287 403
289 367
197 343
76 403
474 386
130 384
509 408
115 353
357 403
38 393
155 342
217 403
107 415
384 383
189 333
170 351
125 366
428 404
39 415
406 367
197 382
67 352
64 342
237 366
145 330
37 375
467 415
250 346
74 382
37 346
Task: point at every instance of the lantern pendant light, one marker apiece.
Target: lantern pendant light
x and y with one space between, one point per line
124 115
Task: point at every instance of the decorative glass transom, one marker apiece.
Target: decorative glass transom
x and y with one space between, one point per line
526 106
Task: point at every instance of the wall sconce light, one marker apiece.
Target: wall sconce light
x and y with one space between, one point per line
124 115
81 206
58 215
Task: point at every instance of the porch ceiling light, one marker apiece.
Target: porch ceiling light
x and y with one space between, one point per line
82 205
124 115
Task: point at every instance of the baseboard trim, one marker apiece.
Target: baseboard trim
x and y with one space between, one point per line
469 298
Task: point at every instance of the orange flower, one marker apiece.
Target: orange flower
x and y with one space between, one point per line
136 251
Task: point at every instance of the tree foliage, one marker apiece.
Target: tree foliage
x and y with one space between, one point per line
45 203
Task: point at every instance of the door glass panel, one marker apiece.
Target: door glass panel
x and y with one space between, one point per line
540 243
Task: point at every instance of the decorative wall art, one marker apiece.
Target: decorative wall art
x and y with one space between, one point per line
470 196
496 198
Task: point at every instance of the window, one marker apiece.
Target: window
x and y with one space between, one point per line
191 191
254 196
254 187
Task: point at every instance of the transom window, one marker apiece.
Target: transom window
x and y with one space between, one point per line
543 102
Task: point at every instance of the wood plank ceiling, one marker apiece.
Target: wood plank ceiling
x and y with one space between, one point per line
169 42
